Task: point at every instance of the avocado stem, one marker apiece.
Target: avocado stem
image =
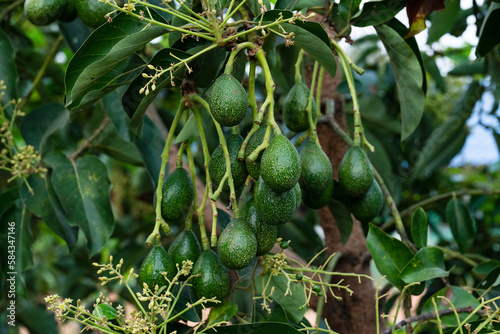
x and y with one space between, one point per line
192 171
298 66
313 137
178 160
234 53
252 102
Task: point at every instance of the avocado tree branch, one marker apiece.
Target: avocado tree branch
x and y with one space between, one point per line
88 142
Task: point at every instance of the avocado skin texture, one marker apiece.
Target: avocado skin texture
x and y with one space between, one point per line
69 12
280 166
237 245
317 201
228 100
367 208
274 208
156 262
214 281
217 164
184 247
256 139
316 169
178 194
265 234
294 108
92 12
43 12
355 172
298 196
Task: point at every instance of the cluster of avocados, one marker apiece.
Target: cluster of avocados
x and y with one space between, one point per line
284 178
44 12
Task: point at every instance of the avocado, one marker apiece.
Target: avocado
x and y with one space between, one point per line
92 12
184 247
298 196
228 100
213 281
69 12
355 172
274 208
257 138
280 165
43 12
265 234
294 108
217 164
318 200
155 263
178 194
316 169
367 208
237 245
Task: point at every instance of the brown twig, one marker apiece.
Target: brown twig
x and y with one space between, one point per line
88 142
429 316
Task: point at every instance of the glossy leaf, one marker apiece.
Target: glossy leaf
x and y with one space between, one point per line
458 297
106 60
492 278
150 147
41 122
443 21
102 311
378 12
408 76
8 72
135 103
348 9
489 36
343 219
290 301
222 312
45 204
75 33
112 105
463 225
389 254
419 227
83 190
427 264
110 143
258 328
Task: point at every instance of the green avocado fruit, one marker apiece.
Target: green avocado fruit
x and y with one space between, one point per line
365 209
317 201
294 108
265 234
274 208
228 100
257 138
355 172
184 247
280 166
213 281
155 263
69 12
43 12
316 169
217 164
178 194
237 245
92 12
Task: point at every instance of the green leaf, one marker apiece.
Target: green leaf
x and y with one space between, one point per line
45 204
83 190
8 197
23 240
206 67
102 311
343 219
313 39
222 312
463 225
476 67
134 103
389 254
259 328
443 21
348 9
106 60
110 143
419 227
189 130
492 278
427 264
8 72
290 301
286 4
150 147
489 36
112 105
254 6
378 12
458 297
41 122
408 77
75 33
